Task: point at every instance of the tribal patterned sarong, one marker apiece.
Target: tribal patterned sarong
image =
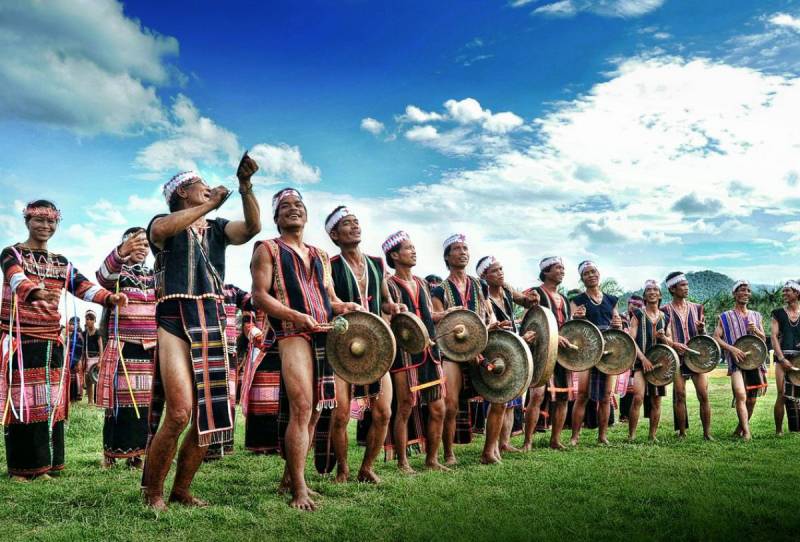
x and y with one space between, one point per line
203 321
261 404
34 434
791 398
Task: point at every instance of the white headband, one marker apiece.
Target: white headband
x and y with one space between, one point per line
455 238
677 279
336 218
793 284
485 264
177 181
282 195
551 260
394 240
738 284
586 265
650 283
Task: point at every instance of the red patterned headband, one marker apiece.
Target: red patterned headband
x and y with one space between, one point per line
42 212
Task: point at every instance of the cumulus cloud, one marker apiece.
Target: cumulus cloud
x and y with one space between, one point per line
606 8
85 66
416 115
692 205
375 127
282 163
775 46
786 20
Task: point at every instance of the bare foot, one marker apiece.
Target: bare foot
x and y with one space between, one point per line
436 466
573 441
44 477
498 456
631 439
778 433
489 459
603 441
341 477
681 436
302 501
15 478
406 469
527 447
508 448
747 437
451 461
368 476
187 499
653 440
709 438
557 446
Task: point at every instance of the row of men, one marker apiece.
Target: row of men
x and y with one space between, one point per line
173 319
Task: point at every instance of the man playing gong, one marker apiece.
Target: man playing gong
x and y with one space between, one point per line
459 290
551 273
359 278
785 336
685 321
292 284
648 327
747 384
601 310
502 298
417 378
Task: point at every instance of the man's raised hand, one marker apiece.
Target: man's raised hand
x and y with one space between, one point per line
247 168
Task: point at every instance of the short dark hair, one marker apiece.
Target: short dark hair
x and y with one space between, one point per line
394 250
545 270
446 254
433 278
635 297
135 229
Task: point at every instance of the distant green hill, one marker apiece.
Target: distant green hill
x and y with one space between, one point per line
703 285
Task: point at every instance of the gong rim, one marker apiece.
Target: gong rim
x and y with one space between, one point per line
751 343
710 354
544 350
409 323
461 350
664 375
518 373
377 340
589 340
621 354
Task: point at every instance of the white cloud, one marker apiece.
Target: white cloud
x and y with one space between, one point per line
416 115
191 139
502 123
375 127
786 20
81 65
606 8
465 111
104 211
282 163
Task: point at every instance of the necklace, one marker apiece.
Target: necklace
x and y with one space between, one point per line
365 275
794 322
38 270
595 303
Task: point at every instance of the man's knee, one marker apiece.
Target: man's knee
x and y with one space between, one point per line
680 396
381 414
340 418
638 399
300 410
404 407
436 410
177 418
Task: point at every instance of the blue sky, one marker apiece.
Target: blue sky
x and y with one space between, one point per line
650 135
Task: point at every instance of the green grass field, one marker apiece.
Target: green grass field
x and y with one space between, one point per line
674 490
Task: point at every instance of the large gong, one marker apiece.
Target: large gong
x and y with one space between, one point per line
544 349
755 351
665 365
703 355
461 335
619 352
410 332
793 374
585 345
506 370
362 351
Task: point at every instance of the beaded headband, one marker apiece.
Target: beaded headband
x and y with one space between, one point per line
584 265
738 284
677 279
177 181
282 195
793 284
453 239
394 240
42 212
650 283
550 260
485 264
336 218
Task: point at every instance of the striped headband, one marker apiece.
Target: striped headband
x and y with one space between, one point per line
793 284
336 218
738 284
550 260
484 264
393 240
282 195
177 181
650 283
455 238
42 212
677 279
584 265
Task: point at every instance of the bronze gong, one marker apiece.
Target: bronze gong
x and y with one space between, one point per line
506 370
665 365
410 332
619 352
544 349
461 335
585 347
703 354
755 351
362 351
